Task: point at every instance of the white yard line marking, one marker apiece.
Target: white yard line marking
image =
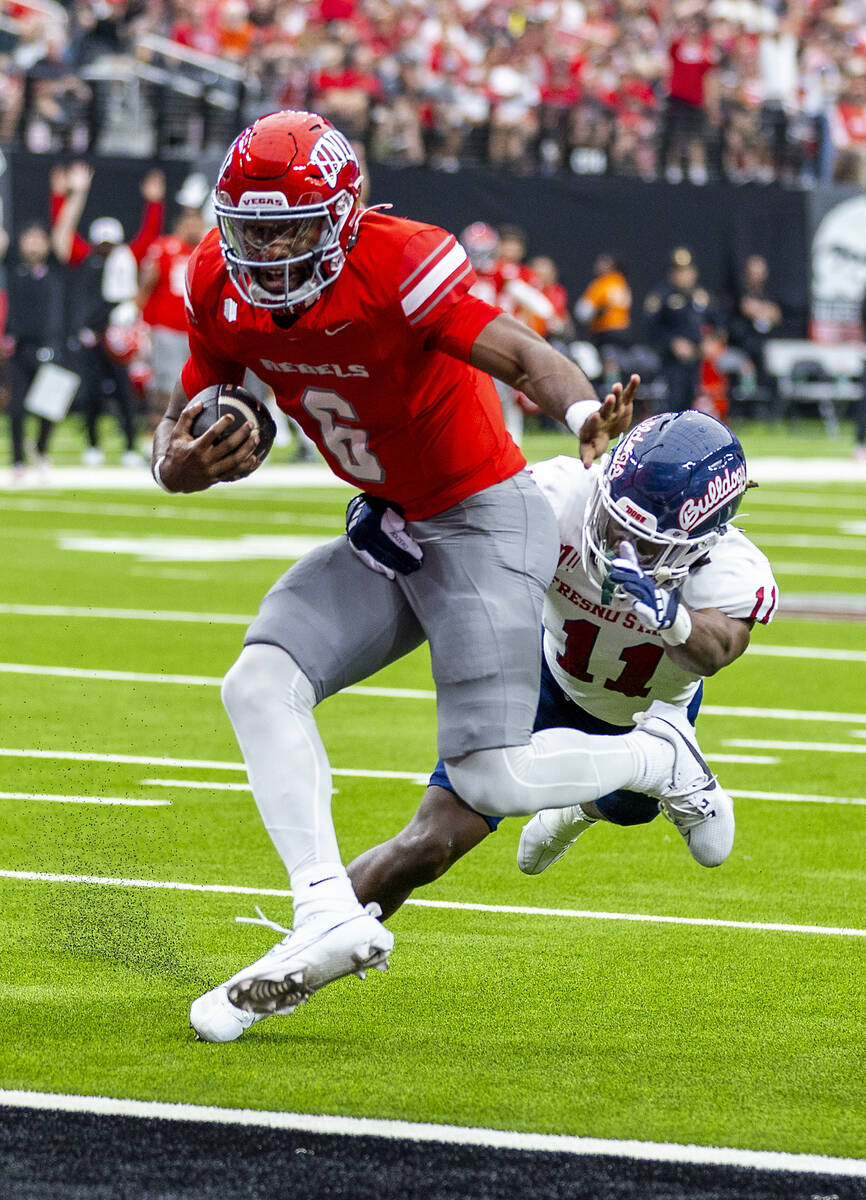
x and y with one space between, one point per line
819 499
752 760
196 549
838 570
457 905
192 785
205 784
113 676
61 799
826 747
182 512
782 714
140 760
124 614
853 542
417 1131
187 680
807 652
833 522
392 693
796 799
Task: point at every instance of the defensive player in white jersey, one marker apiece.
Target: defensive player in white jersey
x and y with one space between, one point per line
654 590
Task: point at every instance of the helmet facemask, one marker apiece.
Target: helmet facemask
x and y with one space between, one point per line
666 556
282 258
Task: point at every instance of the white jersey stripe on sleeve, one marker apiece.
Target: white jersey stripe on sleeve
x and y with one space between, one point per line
426 263
446 287
430 281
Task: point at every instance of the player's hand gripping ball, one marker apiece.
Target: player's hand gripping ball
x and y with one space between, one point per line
227 398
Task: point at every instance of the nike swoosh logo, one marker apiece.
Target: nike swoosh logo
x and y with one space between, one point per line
337 328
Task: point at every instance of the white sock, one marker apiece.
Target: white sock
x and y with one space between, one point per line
323 887
653 762
270 703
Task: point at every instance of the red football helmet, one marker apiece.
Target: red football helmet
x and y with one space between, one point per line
287 204
481 243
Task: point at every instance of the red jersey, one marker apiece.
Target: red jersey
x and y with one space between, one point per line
165 305
691 59
376 371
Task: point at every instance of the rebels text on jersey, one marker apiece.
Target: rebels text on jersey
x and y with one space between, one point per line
601 655
367 370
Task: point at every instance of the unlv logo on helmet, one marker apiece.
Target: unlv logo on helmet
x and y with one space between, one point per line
330 154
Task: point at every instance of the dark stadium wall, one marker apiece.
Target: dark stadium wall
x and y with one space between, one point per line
568 217
573 219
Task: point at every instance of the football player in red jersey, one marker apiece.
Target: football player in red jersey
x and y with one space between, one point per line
363 325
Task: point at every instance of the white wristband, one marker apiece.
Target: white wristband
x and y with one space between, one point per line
157 473
577 413
681 630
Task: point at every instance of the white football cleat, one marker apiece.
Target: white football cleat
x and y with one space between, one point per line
213 1017
545 838
693 800
325 948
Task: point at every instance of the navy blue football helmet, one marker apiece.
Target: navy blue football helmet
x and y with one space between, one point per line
670 488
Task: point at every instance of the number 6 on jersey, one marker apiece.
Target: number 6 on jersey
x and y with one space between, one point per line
347 443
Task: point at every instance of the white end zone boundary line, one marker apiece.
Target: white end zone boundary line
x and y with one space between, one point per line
761 1160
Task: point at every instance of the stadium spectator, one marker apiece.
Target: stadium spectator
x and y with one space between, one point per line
719 603
161 301
344 89
604 309
678 314
58 101
754 91
106 271
558 325
518 292
755 318
35 329
691 103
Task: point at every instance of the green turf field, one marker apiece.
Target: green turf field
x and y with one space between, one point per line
580 1022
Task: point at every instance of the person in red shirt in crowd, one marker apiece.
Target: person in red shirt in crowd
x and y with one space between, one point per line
362 324
546 276
691 99
161 301
518 292
481 243
345 90
106 277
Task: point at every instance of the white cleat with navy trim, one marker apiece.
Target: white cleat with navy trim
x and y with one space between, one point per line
692 800
548 836
326 947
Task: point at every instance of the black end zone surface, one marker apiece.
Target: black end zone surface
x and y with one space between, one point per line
64 1156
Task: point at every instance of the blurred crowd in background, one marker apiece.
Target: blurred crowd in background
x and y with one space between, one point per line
673 89
92 322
